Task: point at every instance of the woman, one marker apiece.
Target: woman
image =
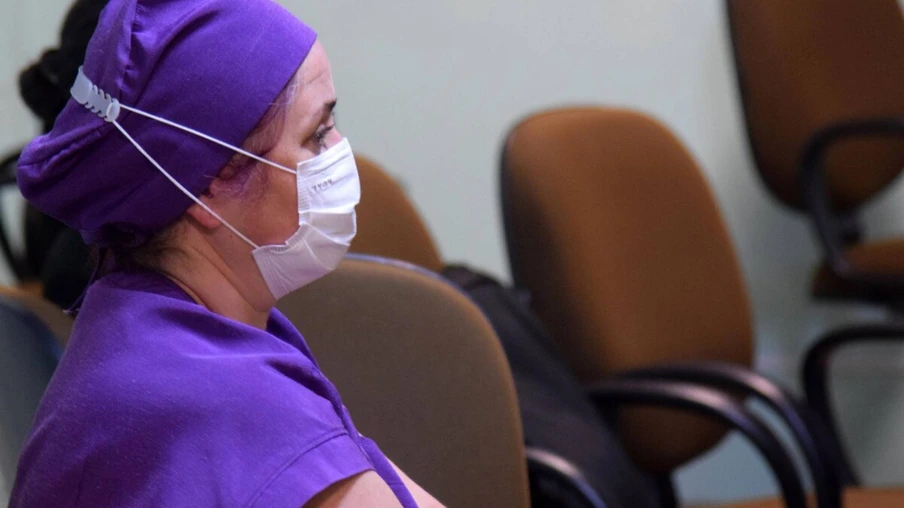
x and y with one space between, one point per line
200 152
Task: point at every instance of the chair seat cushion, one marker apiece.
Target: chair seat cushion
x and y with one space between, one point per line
885 257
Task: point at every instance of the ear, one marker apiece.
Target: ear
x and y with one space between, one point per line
201 216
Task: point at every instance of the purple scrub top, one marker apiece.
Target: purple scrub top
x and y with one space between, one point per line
160 402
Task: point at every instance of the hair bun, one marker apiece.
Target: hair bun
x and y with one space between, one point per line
43 97
44 85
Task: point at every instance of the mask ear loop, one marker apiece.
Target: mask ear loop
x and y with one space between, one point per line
108 108
103 105
181 187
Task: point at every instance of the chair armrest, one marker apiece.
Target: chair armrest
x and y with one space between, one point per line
818 202
714 404
816 378
544 461
8 177
800 422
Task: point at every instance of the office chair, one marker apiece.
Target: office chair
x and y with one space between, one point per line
388 223
422 373
29 353
613 229
560 476
821 84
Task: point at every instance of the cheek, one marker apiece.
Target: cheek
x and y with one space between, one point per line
275 217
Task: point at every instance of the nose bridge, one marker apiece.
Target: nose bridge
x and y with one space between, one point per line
335 137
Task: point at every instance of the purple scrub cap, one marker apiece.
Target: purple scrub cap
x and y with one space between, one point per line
210 65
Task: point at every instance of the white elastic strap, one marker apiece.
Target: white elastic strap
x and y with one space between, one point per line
181 188
105 106
205 136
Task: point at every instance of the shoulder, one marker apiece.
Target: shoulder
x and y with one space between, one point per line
171 398
153 358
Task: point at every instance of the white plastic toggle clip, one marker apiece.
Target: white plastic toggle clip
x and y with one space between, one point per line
93 98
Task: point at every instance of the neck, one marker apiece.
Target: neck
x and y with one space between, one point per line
209 281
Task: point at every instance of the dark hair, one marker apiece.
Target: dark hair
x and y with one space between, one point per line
44 85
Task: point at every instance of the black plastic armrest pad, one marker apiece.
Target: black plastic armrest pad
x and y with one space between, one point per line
548 462
705 401
816 197
726 376
800 422
818 356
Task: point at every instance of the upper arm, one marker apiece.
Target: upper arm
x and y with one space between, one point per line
421 496
363 490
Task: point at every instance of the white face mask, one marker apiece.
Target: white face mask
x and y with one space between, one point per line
328 190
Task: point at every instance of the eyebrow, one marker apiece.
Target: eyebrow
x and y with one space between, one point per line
329 107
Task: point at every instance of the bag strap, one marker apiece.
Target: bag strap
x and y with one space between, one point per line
466 278
516 300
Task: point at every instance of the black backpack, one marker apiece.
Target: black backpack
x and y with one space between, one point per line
556 415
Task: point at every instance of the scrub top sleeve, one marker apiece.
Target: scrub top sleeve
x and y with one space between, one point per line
334 458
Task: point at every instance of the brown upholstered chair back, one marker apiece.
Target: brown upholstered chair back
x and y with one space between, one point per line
388 223
806 64
423 374
614 231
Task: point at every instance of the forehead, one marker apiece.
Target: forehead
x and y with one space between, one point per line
315 79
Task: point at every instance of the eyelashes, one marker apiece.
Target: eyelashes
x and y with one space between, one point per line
320 136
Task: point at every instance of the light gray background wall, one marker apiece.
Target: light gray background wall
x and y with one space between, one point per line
430 88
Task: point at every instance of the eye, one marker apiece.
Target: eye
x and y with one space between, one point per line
320 135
